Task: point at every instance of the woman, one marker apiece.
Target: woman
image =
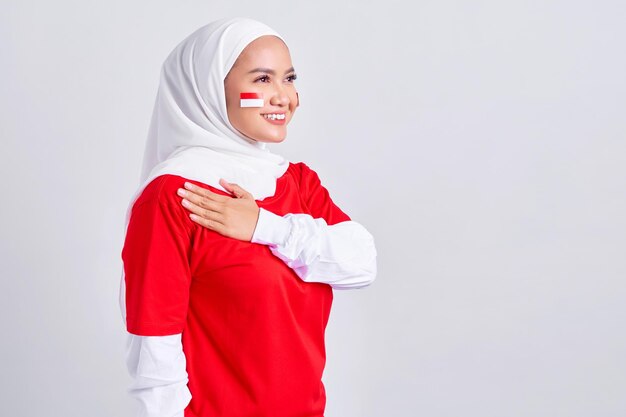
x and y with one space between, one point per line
231 252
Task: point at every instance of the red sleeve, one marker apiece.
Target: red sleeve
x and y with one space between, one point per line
156 262
317 198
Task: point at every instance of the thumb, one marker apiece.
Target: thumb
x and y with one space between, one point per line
235 189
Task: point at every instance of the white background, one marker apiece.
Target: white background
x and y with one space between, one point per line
482 143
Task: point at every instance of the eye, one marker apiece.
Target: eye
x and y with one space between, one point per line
292 78
263 77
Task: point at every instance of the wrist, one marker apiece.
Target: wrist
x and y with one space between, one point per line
271 229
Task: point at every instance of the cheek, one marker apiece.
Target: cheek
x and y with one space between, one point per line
246 120
231 106
240 118
231 91
235 113
251 99
293 99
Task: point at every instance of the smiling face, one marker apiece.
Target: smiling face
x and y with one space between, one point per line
263 67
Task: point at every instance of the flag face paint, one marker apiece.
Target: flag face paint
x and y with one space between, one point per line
251 100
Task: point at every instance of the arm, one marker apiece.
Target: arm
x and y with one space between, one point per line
157 277
342 255
158 367
321 245
324 245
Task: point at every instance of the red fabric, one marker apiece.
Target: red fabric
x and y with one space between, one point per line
253 331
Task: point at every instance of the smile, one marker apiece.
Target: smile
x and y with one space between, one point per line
274 116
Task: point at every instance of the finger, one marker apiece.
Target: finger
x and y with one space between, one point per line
240 192
206 215
227 186
204 192
235 189
202 201
209 224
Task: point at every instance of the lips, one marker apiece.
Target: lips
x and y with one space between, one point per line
275 121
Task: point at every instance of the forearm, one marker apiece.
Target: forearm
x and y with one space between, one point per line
157 365
342 255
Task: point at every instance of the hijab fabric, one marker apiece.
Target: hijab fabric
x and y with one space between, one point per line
190 134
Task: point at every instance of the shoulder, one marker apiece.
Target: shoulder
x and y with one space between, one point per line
316 197
164 189
304 174
161 189
309 182
159 203
300 167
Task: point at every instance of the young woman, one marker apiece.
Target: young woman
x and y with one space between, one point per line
232 252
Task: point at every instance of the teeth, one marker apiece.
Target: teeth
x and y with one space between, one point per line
274 116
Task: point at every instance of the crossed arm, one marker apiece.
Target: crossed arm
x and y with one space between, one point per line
342 255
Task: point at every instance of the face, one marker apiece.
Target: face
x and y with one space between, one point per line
264 67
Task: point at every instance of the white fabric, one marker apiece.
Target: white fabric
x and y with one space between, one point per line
190 117
190 134
157 365
342 255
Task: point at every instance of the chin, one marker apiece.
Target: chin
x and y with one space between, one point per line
273 140
276 138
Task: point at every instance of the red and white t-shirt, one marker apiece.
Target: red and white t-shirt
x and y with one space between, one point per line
252 329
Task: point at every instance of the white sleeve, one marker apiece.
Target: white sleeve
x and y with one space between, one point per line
342 255
158 367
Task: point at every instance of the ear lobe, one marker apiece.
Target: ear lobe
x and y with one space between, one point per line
298 98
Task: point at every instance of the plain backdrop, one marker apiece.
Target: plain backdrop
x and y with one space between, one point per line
482 144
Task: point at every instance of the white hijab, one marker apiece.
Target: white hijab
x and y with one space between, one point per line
190 134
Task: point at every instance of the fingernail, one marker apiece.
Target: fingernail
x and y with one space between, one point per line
182 192
185 203
189 185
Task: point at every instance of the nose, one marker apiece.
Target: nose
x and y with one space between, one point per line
279 97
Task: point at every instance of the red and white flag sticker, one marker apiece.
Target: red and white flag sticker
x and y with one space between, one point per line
251 99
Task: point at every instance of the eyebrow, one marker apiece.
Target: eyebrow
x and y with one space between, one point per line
270 71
